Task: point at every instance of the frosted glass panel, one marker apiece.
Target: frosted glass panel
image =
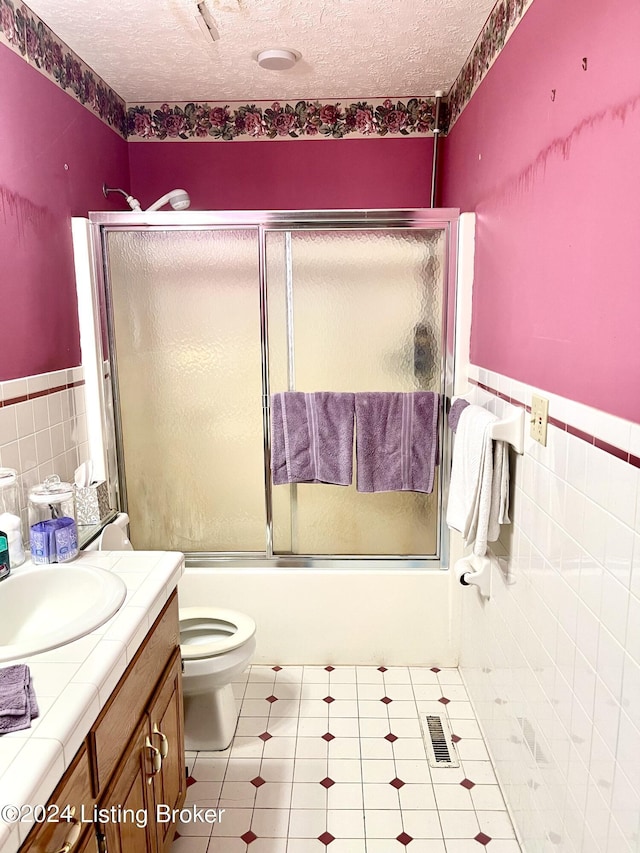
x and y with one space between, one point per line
355 311
187 332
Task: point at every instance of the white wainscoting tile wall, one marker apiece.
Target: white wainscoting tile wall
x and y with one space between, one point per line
552 660
43 428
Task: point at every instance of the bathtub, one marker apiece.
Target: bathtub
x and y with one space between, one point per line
337 616
390 617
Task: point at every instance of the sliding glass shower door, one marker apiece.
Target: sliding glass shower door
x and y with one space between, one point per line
357 310
206 321
186 339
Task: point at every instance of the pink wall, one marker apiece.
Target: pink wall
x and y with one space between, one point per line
556 188
286 175
54 157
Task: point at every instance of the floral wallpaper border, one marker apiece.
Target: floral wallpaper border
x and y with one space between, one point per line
264 120
502 21
25 34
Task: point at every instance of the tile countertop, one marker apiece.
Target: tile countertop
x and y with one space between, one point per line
73 683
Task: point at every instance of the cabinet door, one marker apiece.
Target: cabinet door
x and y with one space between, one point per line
88 845
73 794
166 721
126 810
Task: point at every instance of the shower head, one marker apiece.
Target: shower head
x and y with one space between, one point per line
178 199
133 203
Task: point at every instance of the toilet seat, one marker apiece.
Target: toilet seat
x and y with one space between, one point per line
209 631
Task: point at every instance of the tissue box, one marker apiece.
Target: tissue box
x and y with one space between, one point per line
92 503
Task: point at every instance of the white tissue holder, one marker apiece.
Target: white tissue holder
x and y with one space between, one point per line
509 429
475 571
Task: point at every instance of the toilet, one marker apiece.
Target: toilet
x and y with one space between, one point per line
216 646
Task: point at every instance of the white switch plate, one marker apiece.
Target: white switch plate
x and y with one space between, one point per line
539 416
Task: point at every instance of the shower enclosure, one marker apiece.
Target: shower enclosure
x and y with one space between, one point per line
207 314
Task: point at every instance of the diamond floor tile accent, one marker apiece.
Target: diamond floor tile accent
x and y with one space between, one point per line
285 790
248 837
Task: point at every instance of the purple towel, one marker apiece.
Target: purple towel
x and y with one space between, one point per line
457 408
312 438
397 441
18 704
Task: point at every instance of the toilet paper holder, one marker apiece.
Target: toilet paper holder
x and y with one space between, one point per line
475 571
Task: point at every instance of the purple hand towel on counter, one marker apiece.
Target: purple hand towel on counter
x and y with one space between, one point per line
396 441
312 437
457 408
18 705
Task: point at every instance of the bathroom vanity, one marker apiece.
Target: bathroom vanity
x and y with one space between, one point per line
104 762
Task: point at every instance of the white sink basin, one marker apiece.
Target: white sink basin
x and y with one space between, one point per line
43 607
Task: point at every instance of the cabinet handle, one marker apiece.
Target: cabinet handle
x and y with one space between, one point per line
156 758
164 741
73 835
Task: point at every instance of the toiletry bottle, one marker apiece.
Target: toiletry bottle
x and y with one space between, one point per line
4 555
10 522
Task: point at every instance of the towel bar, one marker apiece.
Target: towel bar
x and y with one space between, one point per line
510 429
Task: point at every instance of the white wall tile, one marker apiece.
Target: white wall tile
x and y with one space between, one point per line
41 436
24 416
632 642
559 645
14 388
8 425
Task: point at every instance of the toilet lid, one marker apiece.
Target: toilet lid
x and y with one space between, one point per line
209 631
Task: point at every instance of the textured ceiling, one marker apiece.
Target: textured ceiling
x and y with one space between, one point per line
154 50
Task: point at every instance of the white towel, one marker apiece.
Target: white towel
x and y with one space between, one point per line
479 488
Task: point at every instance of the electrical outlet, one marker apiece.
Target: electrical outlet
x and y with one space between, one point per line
539 416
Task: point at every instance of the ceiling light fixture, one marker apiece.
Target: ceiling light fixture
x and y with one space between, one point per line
277 59
206 22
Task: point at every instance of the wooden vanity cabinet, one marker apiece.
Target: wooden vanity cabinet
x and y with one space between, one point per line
72 793
166 718
130 795
151 773
132 760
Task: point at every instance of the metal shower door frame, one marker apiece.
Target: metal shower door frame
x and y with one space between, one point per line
264 222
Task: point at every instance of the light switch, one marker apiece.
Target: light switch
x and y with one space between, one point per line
539 416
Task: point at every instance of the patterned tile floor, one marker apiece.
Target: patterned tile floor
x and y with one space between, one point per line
332 760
